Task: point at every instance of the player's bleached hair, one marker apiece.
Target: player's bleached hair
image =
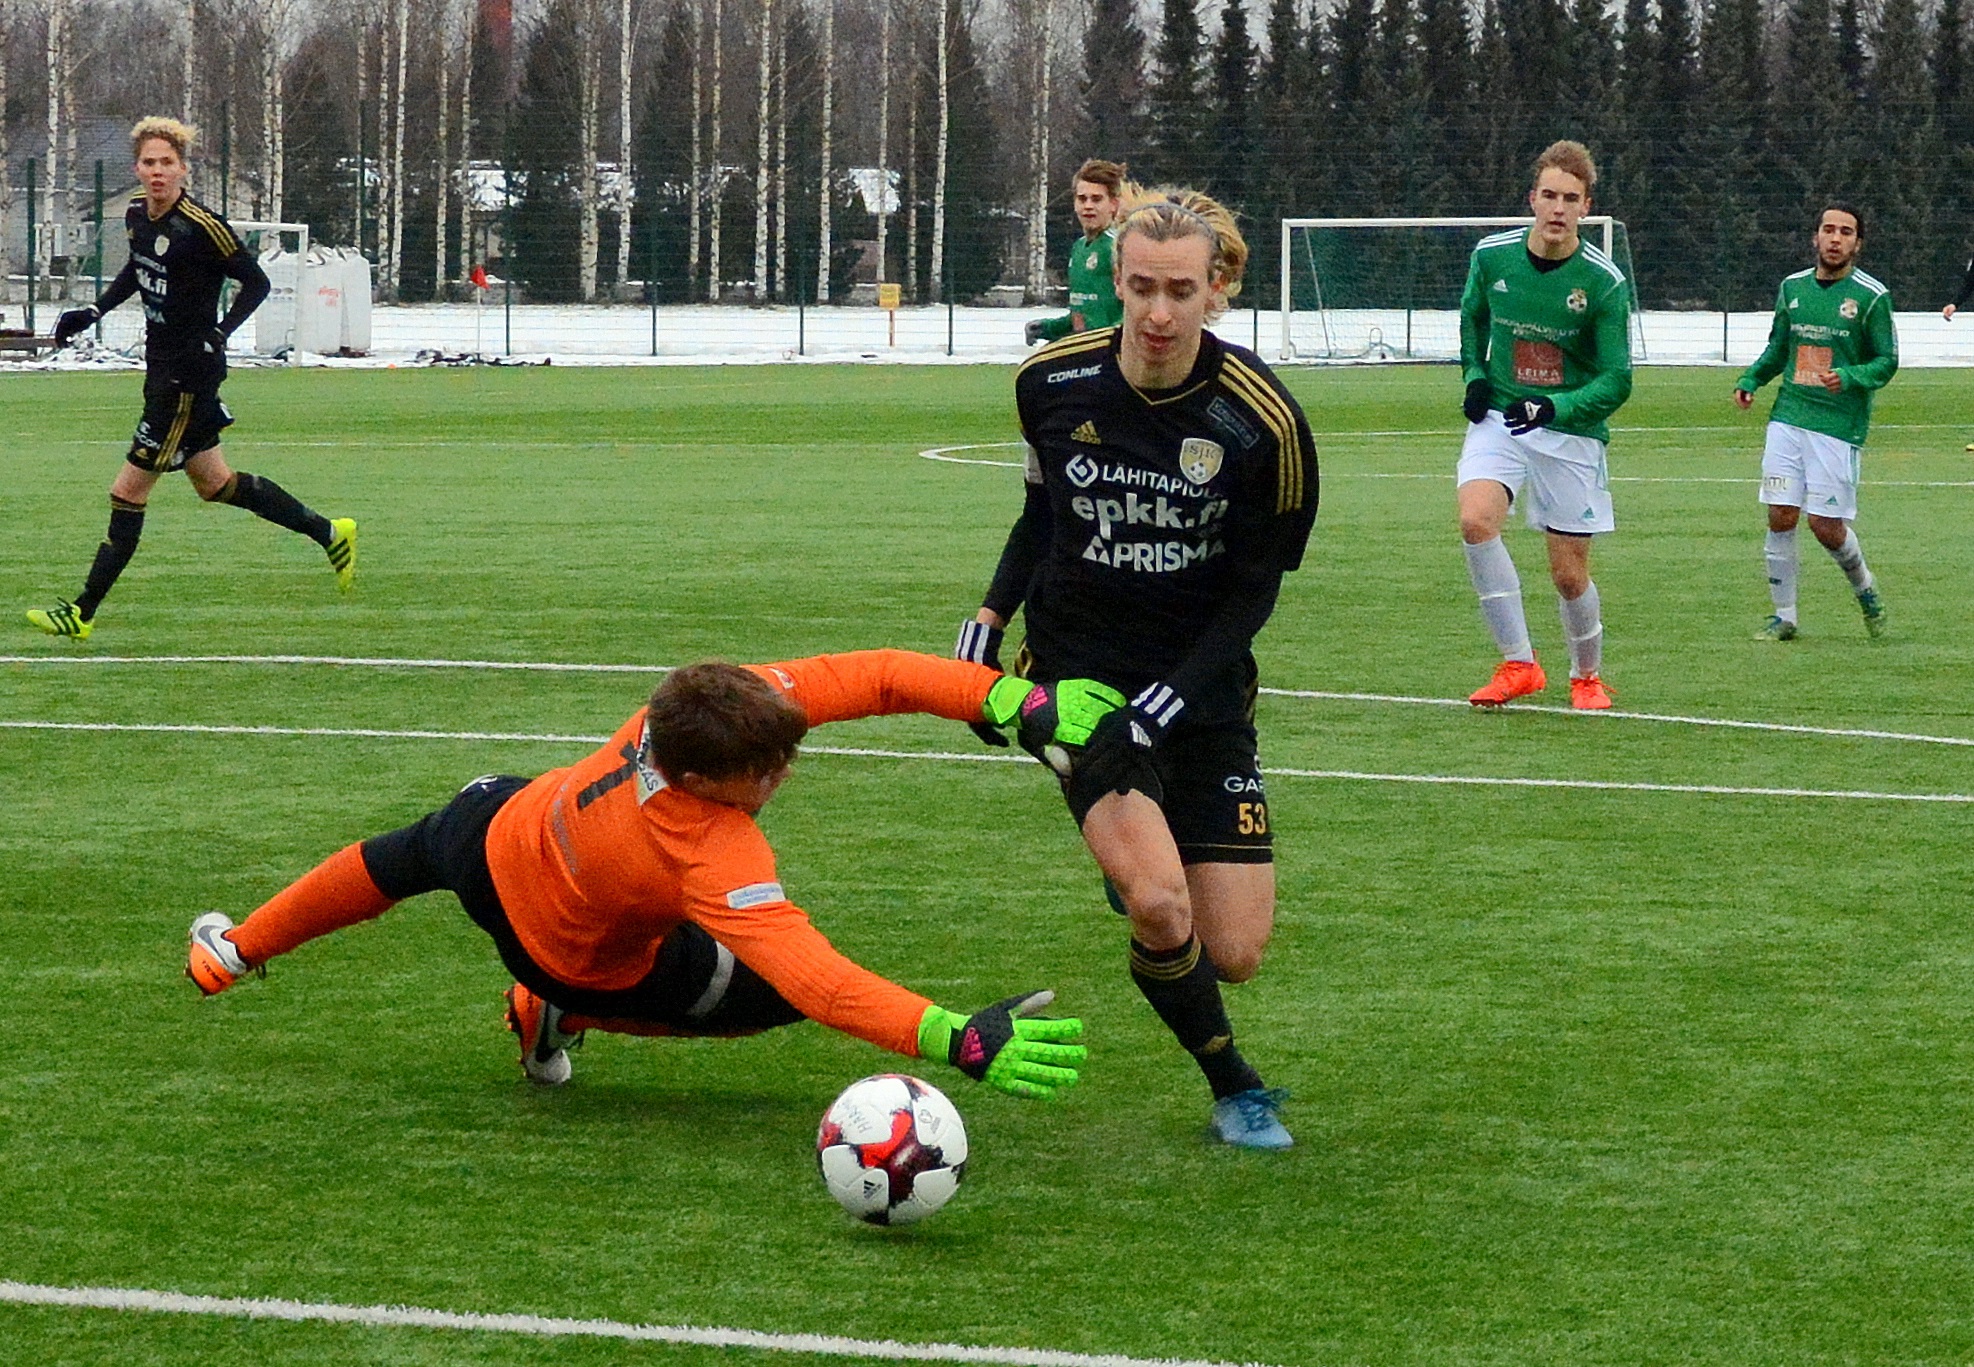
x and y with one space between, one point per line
1109 174
1166 214
1571 158
721 721
1842 206
174 131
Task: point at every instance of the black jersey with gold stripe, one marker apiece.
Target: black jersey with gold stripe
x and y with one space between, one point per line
1159 522
178 263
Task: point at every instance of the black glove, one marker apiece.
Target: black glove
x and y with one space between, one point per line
1525 415
981 644
1031 333
1118 757
74 321
214 343
1480 397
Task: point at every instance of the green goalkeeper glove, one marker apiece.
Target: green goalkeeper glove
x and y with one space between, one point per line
1004 1047
1058 716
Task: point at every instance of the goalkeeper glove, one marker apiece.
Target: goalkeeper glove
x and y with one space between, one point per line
1525 415
1055 717
1033 331
981 644
1480 397
74 321
1004 1047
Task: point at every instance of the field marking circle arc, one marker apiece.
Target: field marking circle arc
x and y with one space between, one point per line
945 456
1313 694
968 757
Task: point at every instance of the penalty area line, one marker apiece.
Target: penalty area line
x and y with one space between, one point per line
546 1326
958 757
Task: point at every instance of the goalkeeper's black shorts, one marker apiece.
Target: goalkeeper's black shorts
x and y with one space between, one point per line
696 986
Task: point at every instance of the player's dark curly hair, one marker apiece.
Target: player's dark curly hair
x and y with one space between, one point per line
721 721
1842 206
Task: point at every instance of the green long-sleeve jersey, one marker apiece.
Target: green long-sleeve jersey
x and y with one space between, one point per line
1092 291
1845 326
1562 333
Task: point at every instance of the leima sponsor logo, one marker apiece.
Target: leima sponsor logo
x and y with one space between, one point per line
1228 420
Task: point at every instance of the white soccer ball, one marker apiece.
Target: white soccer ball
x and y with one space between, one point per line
892 1149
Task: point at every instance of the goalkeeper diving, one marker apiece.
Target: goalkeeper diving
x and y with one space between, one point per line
633 893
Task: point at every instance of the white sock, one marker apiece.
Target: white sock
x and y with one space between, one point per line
1850 559
1583 628
1500 590
1780 552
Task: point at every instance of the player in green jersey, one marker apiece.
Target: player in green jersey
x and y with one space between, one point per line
1098 190
1834 346
1545 346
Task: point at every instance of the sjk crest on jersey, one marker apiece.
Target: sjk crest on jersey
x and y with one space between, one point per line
1199 459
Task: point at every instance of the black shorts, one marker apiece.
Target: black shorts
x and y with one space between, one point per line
180 420
696 986
1207 781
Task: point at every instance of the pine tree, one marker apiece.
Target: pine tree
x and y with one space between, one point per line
1114 81
1176 133
1228 155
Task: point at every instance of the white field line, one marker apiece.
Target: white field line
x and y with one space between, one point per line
940 453
569 667
541 1326
951 756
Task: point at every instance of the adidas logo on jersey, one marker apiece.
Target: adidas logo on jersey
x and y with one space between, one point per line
1087 434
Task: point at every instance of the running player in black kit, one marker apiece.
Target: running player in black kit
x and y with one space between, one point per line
1171 484
180 254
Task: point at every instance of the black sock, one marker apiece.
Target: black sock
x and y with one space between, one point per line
126 526
1183 986
266 499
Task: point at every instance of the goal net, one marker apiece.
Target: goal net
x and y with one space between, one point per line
1388 289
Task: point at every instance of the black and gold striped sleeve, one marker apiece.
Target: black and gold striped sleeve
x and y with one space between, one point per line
1295 451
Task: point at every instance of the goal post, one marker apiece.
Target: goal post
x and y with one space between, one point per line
281 249
1388 289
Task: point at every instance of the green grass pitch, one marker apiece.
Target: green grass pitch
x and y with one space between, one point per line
1581 1075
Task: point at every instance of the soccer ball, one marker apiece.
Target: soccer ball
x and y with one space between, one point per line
892 1149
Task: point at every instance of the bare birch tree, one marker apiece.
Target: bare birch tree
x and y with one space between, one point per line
589 121
441 162
626 36
781 162
828 147
400 41
911 163
718 185
465 183
695 209
189 69
763 132
1041 36
274 21
881 209
937 271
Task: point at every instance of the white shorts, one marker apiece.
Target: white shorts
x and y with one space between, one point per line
1568 485
1808 470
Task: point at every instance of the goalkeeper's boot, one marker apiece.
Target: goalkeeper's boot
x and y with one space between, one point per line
1776 628
342 551
214 962
544 1044
64 619
1876 617
1252 1119
1588 694
1514 679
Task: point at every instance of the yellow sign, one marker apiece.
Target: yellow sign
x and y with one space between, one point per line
888 296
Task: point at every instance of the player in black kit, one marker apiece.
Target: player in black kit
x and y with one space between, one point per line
181 253
1171 483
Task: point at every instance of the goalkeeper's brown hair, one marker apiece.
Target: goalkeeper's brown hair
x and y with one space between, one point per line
721 721
1571 158
1168 213
174 131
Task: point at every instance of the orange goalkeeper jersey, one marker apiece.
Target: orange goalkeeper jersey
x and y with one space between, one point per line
597 863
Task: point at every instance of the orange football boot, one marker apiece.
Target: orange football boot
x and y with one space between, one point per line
1514 679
